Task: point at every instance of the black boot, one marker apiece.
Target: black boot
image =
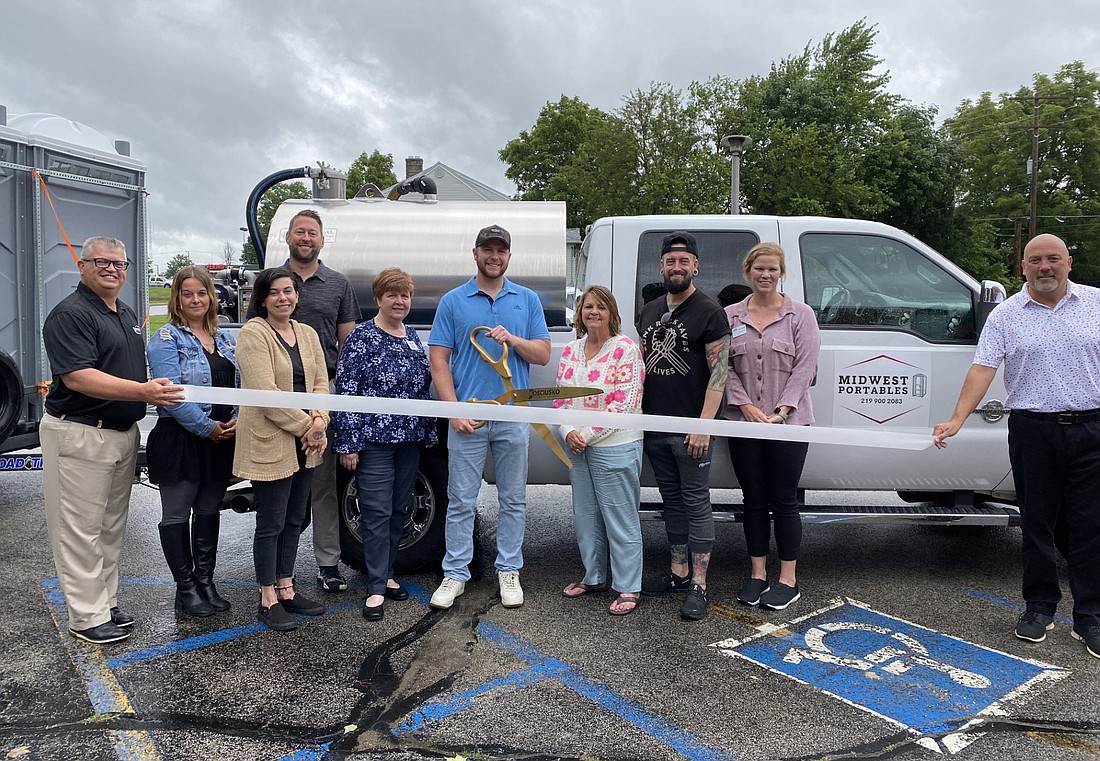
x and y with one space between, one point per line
204 546
175 538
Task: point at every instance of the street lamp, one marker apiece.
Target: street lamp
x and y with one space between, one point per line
736 145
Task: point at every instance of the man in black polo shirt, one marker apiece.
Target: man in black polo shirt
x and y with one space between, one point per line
89 437
327 304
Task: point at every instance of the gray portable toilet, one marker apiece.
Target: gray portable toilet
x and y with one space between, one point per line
94 190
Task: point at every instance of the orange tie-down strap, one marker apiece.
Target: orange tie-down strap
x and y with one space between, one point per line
61 227
65 236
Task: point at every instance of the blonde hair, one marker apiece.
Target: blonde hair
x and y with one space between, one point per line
764 249
175 300
603 297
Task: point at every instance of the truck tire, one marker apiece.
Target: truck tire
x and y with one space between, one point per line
11 396
424 541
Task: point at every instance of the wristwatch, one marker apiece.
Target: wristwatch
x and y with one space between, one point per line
779 411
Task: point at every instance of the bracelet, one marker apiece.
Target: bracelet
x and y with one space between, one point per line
779 411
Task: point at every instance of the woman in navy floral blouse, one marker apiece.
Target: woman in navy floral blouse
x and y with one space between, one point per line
383 358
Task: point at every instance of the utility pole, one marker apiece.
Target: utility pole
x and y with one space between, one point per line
1033 164
736 145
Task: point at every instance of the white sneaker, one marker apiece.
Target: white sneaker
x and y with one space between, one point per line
444 596
511 593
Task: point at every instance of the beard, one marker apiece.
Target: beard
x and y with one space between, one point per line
1045 284
678 286
308 258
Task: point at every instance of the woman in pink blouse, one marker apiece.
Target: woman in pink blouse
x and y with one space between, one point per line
773 360
607 462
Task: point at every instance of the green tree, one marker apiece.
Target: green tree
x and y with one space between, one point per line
994 135
375 167
574 153
176 263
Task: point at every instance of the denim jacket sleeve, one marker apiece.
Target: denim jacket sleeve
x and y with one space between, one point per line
228 348
177 355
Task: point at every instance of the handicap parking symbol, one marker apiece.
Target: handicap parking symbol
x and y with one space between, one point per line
922 680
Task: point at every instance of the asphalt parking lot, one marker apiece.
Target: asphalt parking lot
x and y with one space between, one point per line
901 647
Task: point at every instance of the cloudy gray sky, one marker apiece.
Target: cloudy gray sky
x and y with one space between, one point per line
214 95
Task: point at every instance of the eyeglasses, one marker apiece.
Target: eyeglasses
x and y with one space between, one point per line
105 264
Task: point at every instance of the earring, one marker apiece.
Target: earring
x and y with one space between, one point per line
695 273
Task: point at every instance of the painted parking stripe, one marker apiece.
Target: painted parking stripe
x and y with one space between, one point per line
215 638
544 666
104 691
1012 604
433 712
914 677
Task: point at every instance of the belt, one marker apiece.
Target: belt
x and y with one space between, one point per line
95 422
1061 418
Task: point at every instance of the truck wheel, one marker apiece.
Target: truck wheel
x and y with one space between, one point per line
11 396
424 541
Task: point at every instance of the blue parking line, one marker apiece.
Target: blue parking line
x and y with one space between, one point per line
545 667
1006 603
433 712
213 638
307 754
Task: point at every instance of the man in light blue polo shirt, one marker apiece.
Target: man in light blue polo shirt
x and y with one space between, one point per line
516 319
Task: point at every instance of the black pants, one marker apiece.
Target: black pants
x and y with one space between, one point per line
1057 473
768 473
280 513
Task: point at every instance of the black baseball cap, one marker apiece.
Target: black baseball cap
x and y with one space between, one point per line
493 231
681 238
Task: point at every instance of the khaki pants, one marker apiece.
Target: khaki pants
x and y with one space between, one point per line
87 473
325 505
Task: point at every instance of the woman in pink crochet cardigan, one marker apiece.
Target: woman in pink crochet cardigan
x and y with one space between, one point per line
607 462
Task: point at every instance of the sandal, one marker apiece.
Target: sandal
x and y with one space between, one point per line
580 589
630 599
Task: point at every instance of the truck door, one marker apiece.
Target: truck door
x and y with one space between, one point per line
898 333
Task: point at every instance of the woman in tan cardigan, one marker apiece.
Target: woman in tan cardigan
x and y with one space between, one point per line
277 447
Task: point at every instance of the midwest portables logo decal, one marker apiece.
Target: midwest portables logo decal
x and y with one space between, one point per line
881 389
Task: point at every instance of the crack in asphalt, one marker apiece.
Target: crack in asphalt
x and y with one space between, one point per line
903 741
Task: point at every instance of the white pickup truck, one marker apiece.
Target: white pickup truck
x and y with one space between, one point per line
899 324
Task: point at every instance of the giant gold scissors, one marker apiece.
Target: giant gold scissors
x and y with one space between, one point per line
522 396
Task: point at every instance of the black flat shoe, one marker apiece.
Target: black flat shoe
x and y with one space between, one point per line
121 618
374 613
397 593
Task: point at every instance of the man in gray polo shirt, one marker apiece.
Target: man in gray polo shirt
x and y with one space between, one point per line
327 304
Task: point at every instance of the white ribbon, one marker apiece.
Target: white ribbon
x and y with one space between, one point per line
852 437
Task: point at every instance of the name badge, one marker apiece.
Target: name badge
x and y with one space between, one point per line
738 331
413 345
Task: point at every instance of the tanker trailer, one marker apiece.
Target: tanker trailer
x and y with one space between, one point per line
432 241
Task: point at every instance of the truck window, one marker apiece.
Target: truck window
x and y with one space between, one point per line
720 255
855 280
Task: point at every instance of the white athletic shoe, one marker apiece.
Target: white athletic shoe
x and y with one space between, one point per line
444 596
511 593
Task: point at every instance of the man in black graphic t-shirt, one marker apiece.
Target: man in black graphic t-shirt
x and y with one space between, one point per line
678 333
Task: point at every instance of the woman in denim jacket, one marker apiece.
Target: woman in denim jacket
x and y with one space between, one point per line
190 450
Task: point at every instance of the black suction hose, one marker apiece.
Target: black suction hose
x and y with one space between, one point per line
253 205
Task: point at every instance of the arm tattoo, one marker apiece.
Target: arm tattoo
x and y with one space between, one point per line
718 373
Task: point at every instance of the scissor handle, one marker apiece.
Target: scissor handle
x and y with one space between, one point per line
501 364
480 423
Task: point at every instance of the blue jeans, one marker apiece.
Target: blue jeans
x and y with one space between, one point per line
384 480
606 493
467 453
684 483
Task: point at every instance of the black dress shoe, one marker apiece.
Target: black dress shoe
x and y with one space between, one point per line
102 634
374 613
397 593
276 617
303 606
121 618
